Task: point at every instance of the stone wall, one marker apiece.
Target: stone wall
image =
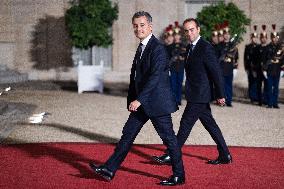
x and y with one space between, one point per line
167 11
33 37
34 40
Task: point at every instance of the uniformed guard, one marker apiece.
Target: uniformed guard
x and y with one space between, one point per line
216 45
178 50
229 63
262 54
273 67
220 34
251 66
168 35
215 42
169 39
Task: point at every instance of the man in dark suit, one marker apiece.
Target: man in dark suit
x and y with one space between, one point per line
201 66
149 97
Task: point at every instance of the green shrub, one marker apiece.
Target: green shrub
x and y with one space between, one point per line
89 22
212 15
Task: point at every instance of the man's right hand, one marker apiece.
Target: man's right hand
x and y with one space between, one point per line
221 101
134 106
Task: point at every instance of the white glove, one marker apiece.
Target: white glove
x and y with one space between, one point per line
235 71
281 74
265 74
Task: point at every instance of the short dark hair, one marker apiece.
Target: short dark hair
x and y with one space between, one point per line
192 20
142 13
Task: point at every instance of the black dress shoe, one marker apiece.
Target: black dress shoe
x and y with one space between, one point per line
163 159
269 107
102 171
276 106
173 180
221 160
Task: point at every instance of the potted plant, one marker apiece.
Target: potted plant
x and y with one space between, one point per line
89 25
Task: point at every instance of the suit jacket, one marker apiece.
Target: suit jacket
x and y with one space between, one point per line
201 67
151 84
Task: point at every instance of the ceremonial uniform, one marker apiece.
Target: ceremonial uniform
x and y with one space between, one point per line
216 46
177 69
229 61
273 67
251 67
261 59
177 53
215 43
168 39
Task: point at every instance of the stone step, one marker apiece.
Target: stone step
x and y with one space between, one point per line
3 107
240 92
14 113
10 76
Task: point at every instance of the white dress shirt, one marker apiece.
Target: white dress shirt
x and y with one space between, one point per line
194 42
145 42
193 46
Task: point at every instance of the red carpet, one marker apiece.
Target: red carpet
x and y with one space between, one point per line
65 165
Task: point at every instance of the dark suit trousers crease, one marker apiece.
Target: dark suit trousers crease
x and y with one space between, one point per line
201 111
164 127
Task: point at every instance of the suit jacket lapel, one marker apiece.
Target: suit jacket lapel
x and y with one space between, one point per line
147 48
140 63
193 54
196 48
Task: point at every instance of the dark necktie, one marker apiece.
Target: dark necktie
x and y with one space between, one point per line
191 46
138 53
137 59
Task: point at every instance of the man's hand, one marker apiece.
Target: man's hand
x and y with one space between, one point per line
221 101
133 106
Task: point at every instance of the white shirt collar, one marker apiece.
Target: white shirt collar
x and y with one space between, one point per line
146 40
194 42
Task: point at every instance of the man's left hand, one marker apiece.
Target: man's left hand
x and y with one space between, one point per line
133 106
221 101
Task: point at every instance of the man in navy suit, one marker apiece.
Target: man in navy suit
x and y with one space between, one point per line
201 67
149 97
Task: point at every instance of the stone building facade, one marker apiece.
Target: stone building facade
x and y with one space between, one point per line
34 41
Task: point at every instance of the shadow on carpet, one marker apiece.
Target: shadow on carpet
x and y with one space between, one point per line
65 165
